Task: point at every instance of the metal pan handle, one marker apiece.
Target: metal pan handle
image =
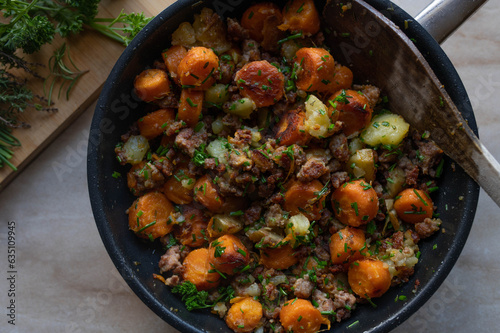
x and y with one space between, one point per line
442 17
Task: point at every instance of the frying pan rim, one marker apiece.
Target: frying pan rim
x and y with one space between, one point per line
428 47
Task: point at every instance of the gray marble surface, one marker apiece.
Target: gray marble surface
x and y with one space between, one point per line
67 283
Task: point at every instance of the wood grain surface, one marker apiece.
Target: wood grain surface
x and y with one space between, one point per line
89 51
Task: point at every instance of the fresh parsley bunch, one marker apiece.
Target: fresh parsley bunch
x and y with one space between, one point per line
27 26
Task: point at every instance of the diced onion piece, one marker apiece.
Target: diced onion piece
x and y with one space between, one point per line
317 120
385 129
217 149
188 183
136 148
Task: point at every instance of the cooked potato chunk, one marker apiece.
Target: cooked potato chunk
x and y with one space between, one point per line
362 164
242 108
386 129
318 123
136 148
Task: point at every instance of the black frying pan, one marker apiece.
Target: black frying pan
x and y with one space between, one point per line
116 110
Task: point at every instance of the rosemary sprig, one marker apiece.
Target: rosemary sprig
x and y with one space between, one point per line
61 73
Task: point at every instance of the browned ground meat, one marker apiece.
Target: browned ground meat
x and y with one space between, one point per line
235 31
252 214
312 169
339 178
343 303
303 288
188 140
339 147
275 216
171 260
142 180
324 303
370 92
242 137
251 51
427 228
429 154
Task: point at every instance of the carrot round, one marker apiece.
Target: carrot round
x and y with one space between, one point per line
153 124
369 278
227 254
413 206
190 106
317 69
304 198
354 110
207 195
300 316
355 203
191 231
292 129
279 258
342 79
172 58
244 315
152 84
149 216
301 16
196 69
176 191
261 82
255 17
197 270
346 245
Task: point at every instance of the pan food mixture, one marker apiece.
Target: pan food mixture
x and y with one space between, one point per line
283 194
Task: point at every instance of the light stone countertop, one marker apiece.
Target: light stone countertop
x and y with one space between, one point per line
66 281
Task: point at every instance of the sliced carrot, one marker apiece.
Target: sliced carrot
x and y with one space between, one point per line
261 82
152 84
300 316
413 206
354 110
346 245
149 216
206 193
256 16
369 278
172 58
279 258
342 79
197 68
190 106
196 270
355 203
304 198
244 316
316 69
291 129
227 254
301 16
153 124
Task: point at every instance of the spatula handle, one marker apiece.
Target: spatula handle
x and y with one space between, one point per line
442 17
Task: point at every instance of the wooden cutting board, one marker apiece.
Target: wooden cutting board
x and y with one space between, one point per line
89 51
